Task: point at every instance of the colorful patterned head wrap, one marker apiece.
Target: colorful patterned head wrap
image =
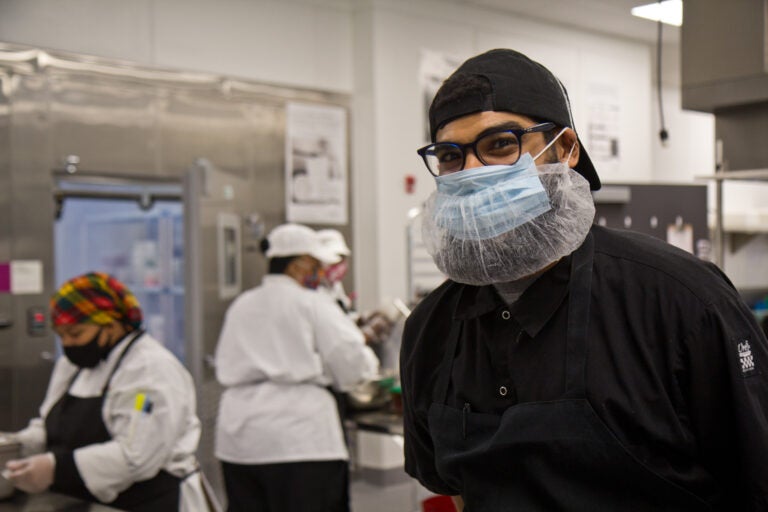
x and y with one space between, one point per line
96 298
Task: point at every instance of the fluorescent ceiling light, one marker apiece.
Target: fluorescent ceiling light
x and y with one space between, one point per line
669 11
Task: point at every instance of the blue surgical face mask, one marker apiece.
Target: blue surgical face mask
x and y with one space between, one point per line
485 202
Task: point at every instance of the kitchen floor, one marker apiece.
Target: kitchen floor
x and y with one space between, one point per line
401 497
374 439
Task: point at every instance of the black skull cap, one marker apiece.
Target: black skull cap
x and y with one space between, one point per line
518 85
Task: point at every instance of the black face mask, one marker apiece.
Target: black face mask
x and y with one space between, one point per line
88 355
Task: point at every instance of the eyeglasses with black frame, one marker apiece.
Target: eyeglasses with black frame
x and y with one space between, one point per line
500 147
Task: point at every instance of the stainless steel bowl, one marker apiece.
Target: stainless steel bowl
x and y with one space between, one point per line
367 396
372 394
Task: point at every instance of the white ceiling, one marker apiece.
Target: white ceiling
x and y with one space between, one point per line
607 16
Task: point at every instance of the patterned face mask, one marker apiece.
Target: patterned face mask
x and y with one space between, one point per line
335 273
313 274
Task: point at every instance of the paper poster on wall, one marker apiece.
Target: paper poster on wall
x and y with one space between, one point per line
603 127
316 164
22 277
434 68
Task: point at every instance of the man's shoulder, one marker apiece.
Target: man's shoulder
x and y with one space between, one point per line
432 315
649 259
440 300
642 249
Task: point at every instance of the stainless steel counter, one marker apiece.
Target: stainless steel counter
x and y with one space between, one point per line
49 502
379 421
377 448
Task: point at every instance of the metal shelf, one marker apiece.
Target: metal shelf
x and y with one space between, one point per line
740 235
748 175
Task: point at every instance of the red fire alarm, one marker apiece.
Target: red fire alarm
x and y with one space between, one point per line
410 183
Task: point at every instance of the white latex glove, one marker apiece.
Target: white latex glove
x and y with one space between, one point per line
33 474
376 328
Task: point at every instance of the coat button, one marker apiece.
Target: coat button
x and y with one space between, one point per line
503 390
505 315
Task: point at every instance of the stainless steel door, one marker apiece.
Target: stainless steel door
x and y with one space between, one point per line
26 220
214 204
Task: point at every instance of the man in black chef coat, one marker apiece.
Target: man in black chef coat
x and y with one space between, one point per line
566 366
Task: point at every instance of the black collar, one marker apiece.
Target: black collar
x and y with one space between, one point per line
534 308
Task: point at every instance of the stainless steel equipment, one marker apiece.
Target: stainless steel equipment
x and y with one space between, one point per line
9 450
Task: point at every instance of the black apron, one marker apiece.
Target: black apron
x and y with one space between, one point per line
546 456
74 422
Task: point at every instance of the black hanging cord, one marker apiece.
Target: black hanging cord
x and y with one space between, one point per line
663 134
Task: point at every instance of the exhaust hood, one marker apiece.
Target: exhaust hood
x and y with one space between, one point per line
724 53
724 61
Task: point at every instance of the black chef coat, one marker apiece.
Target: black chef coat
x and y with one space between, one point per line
676 364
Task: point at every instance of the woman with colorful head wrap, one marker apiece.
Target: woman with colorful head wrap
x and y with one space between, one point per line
118 423
90 313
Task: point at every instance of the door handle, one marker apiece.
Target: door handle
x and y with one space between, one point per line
5 323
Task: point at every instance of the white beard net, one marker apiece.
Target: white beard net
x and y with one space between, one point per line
523 250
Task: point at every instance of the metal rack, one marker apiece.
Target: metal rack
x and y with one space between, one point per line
719 229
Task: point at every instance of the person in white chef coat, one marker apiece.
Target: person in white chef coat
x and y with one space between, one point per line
375 325
282 346
118 424
333 240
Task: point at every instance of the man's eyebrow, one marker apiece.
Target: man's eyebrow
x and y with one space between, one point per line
508 125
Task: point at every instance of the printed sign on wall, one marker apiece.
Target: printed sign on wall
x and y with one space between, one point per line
21 277
316 164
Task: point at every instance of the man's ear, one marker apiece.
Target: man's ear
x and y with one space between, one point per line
567 141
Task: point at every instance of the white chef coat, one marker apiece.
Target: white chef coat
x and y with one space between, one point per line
280 345
142 443
337 293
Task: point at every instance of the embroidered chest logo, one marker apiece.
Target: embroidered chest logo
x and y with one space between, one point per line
745 357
